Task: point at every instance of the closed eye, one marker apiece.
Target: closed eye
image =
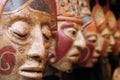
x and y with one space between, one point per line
19 29
20 35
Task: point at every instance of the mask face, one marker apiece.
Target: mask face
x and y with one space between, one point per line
69 41
101 45
25 38
112 22
89 55
116 46
105 39
106 34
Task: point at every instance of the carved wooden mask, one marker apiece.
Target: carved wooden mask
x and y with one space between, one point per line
89 54
114 30
116 34
103 30
25 38
116 46
68 37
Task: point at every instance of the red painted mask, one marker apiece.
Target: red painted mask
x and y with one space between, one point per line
88 53
114 29
63 43
101 23
69 22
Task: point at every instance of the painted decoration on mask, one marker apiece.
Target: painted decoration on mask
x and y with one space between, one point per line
7 60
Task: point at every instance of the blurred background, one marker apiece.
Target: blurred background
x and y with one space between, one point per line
114 6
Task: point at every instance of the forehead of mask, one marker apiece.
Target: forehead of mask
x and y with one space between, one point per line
90 29
29 11
35 4
89 26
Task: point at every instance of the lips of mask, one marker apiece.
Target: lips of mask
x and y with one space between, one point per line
86 54
63 43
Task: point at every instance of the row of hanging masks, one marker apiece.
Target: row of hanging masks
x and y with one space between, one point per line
65 41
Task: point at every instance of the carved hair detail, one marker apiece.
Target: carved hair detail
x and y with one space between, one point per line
68 10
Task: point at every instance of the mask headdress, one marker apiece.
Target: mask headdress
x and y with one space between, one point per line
99 16
101 23
16 5
68 10
112 22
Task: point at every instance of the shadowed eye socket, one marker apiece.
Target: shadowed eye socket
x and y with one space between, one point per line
106 36
106 33
92 39
46 32
71 32
117 37
19 29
